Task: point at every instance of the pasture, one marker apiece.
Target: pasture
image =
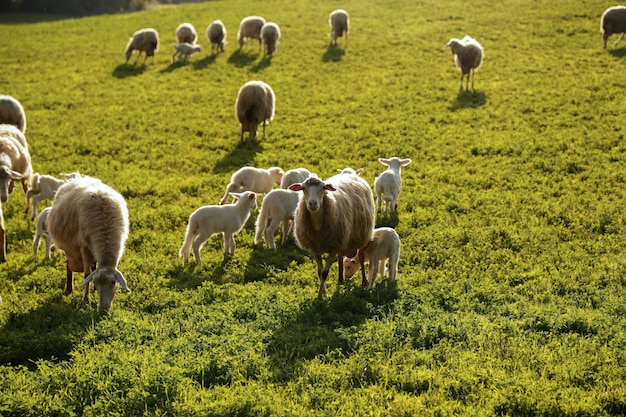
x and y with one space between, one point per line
510 297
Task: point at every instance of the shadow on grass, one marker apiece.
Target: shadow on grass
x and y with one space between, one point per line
173 66
204 62
279 259
468 99
242 59
240 156
618 53
265 62
333 54
128 70
387 220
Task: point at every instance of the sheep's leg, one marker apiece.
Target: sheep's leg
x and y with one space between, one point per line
35 204
196 247
287 226
269 235
620 38
231 244
362 263
393 268
88 269
69 279
3 251
472 75
48 241
322 271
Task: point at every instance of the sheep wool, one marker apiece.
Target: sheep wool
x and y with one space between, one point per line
468 57
254 106
339 22
144 40
270 35
613 21
186 33
278 207
250 28
12 112
216 34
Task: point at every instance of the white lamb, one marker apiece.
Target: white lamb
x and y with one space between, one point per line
278 206
270 36
257 180
250 28
89 222
339 22
44 187
209 220
468 57
216 34
254 106
186 33
184 50
144 40
385 245
41 231
387 185
12 112
294 176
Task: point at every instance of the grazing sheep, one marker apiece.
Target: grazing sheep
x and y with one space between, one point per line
387 185
254 106
209 220
613 20
278 206
186 33
468 57
336 217
257 180
144 40
385 245
216 34
89 222
250 28
44 187
42 231
294 176
12 112
270 35
339 22
184 50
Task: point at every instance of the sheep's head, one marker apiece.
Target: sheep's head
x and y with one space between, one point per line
350 267
277 173
395 163
7 176
313 190
453 44
106 281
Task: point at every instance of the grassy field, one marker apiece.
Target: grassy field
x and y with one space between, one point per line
510 298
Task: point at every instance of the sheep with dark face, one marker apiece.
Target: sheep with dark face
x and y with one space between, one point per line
250 28
12 112
254 106
144 40
468 57
613 20
186 33
339 22
216 34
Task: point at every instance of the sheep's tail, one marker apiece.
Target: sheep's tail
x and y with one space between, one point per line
261 225
190 235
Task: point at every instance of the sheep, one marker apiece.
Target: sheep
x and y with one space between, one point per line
89 222
250 27
144 40
257 180
186 33
387 185
468 57
278 206
336 217
385 245
12 112
270 35
42 231
209 220
613 20
294 176
44 187
350 171
216 34
339 22
14 165
254 106
184 50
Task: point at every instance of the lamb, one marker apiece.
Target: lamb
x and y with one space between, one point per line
250 28
44 187
12 113
339 22
613 20
216 34
385 245
387 185
294 176
336 217
42 231
144 40
468 57
270 35
184 50
257 180
186 33
14 165
278 206
209 220
89 222
254 106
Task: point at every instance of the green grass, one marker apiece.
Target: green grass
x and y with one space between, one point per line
510 298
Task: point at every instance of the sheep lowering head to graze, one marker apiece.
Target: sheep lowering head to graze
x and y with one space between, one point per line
385 245
216 34
209 220
613 21
186 33
387 186
257 180
12 112
468 57
278 206
254 106
184 50
144 40
339 22
89 222
270 35
250 28
334 217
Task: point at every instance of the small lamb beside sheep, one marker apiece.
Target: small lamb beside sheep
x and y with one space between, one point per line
339 22
278 206
257 180
254 106
468 58
216 34
209 220
250 28
270 35
184 50
613 20
387 186
385 245
12 112
41 231
186 33
44 187
144 40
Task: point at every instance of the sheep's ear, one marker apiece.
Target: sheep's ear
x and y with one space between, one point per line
383 161
88 279
405 162
295 187
236 195
120 278
252 196
358 171
16 175
329 187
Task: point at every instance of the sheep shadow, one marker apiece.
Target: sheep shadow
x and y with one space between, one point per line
618 53
333 54
262 259
173 66
240 156
128 70
241 59
204 62
387 220
265 62
468 99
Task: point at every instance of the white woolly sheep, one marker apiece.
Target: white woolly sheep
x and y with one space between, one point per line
254 106
385 245
336 217
89 222
294 176
44 187
339 22
144 40
250 28
387 185
41 231
270 35
613 20
350 171
257 180
209 220
278 206
468 58
186 33
216 34
12 112
184 50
